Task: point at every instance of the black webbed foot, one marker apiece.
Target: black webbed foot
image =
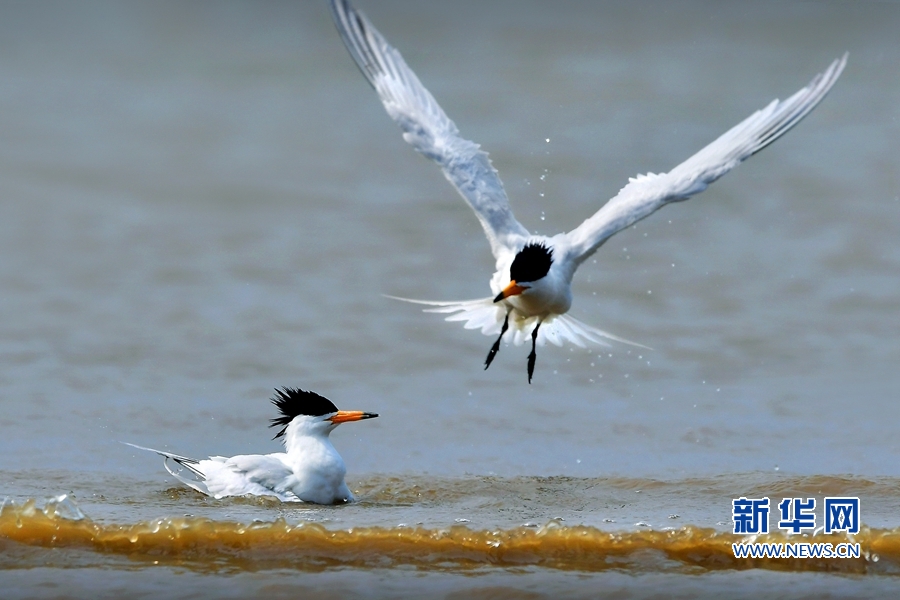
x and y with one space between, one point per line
496 347
533 356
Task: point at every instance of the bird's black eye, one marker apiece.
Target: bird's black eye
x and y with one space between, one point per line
531 263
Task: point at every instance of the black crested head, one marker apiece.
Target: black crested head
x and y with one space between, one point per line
295 402
531 263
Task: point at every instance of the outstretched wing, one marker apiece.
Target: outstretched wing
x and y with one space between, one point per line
645 194
428 129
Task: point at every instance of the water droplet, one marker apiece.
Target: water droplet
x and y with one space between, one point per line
63 507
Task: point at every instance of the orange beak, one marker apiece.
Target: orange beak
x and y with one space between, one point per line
513 289
344 416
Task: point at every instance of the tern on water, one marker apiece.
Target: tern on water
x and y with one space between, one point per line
310 469
531 289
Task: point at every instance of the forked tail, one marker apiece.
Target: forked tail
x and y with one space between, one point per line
488 316
187 463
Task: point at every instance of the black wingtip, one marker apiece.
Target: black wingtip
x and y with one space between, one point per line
354 30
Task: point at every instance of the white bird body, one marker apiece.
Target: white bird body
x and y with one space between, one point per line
310 469
537 307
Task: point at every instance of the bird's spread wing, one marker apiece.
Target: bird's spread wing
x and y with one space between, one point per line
428 129
488 316
645 194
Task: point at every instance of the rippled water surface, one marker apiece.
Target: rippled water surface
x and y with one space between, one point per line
202 201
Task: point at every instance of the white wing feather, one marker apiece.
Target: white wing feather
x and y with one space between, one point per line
645 194
257 474
219 476
428 129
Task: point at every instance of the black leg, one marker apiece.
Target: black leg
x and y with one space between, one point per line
533 356
496 347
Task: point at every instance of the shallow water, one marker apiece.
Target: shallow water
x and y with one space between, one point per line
202 202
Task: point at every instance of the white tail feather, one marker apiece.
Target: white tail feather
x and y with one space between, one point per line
183 461
488 316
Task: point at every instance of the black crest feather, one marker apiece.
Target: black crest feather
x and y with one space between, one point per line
531 263
294 402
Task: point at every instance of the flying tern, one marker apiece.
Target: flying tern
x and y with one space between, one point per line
531 288
310 469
